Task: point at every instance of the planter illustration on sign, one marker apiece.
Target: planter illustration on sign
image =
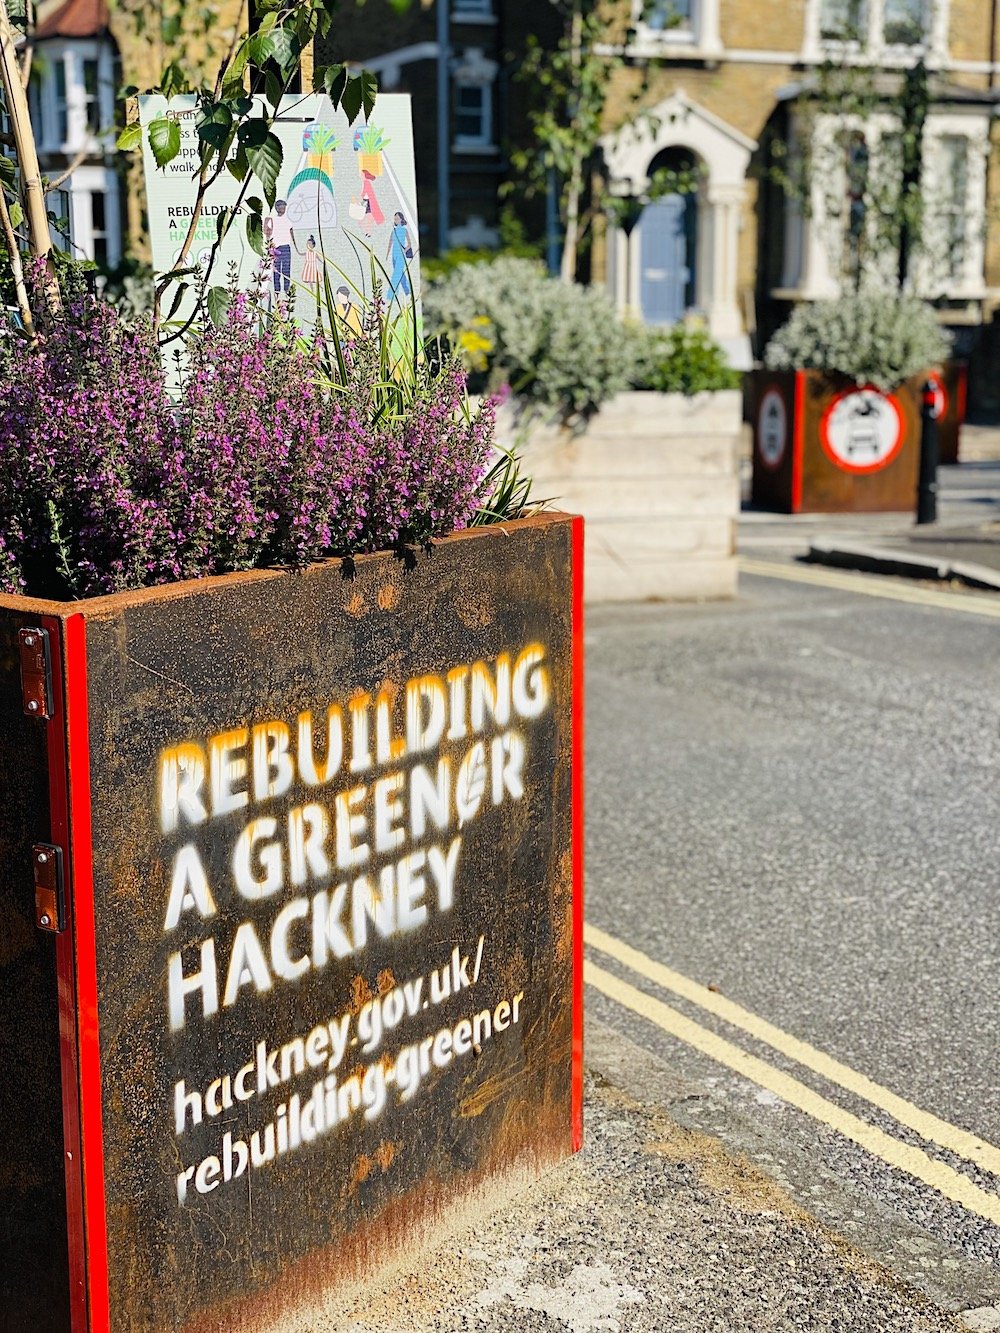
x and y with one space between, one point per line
294 966
825 444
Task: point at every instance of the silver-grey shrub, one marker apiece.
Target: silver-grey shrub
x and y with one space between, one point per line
872 337
559 346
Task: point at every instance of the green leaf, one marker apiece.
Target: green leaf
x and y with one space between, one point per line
16 213
255 233
164 139
285 49
130 137
253 133
351 99
369 90
334 82
217 302
7 170
216 125
254 204
260 48
170 29
272 88
265 162
173 80
237 165
222 223
360 91
176 302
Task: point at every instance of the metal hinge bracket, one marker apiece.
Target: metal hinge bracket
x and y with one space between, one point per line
50 893
36 671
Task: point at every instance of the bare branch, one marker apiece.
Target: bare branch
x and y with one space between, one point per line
59 181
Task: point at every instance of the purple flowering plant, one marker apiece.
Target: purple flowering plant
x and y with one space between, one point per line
266 450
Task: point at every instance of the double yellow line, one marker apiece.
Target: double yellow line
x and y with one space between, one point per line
917 1163
889 590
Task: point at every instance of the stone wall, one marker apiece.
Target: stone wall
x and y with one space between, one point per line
656 477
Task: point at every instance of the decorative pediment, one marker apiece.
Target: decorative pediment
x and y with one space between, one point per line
677 122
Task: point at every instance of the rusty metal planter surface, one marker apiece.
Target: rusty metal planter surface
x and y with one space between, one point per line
320 977
824 445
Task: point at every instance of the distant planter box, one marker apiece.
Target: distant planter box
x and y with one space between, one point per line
290 927
824 445
656 476
953 385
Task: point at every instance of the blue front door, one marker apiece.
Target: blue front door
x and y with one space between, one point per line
666 258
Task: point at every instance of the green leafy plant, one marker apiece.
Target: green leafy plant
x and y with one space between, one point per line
507 490
560 347
872 337
370 140
683 359
322 139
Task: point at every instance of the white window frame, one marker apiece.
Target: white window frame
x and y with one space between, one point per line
69 55
483 140
873 46
84 183
814 238
969 283
700 37
472 11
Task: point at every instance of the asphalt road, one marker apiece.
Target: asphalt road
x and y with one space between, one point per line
794 799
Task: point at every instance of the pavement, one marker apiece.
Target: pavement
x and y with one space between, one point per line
655 1227
961 548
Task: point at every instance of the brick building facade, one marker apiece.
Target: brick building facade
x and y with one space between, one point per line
730 74
707 83
84 52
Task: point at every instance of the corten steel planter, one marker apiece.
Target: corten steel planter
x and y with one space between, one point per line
952 383
824 445
319 977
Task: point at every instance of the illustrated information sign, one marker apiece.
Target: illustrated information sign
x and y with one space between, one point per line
345 206
333 886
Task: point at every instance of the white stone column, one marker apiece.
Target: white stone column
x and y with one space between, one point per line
633 261
938 35
709 37
112 217
811 46
876 28
723 206
816 283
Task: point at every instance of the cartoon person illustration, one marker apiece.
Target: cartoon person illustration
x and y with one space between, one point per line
369 144
310 268
281 236
399 251
347 311
369 199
